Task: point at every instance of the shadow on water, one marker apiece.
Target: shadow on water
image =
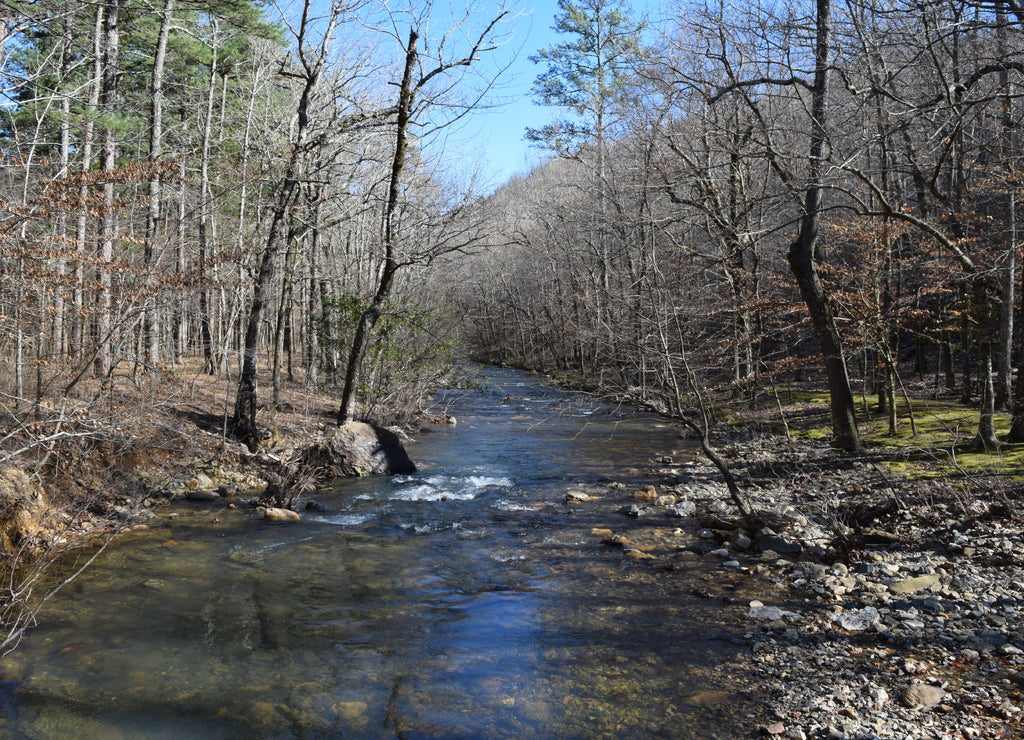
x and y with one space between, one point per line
460 602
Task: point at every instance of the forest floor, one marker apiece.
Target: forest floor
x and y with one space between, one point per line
883 602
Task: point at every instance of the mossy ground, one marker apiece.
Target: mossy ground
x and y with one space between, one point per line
939 442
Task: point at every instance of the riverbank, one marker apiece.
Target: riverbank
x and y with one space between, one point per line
91 464
874 605
877 607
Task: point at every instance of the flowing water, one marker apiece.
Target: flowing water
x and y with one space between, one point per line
464 601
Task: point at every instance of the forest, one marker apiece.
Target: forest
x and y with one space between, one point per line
234 183
733 198
825 188
231 227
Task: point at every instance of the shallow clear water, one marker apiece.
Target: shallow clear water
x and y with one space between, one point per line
465 601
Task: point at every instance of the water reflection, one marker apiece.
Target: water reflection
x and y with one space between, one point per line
462 602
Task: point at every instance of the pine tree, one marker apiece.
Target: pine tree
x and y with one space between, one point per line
586 73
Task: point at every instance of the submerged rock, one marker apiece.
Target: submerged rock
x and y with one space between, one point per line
351 710
709 698
202 495
275 514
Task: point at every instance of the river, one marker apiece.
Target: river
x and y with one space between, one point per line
464 601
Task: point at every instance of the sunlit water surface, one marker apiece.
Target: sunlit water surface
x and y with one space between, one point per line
465 601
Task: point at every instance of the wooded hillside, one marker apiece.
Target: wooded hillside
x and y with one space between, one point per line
747 194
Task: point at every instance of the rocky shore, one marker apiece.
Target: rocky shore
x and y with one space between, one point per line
875 607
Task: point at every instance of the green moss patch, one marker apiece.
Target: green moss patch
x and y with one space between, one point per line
943 444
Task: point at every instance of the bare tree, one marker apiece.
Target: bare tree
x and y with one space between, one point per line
154 216
108 163
415 81
309 72
803 252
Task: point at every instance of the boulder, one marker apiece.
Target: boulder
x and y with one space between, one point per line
23 505
922 696
356 449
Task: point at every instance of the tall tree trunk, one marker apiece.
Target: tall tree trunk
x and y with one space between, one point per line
803 252
246 399
210 364
1004 387
406 98
179 322
78 332
108 224
59 339
151 319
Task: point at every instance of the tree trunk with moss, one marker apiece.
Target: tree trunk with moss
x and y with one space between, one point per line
804 251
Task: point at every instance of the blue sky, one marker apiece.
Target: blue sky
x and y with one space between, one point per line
494 136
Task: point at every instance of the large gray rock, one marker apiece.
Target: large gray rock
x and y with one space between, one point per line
356 449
